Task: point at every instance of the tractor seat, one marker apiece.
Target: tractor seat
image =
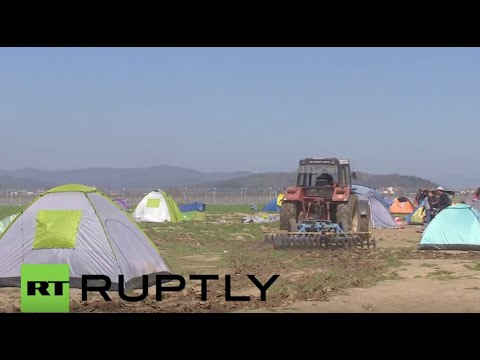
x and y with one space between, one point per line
324 180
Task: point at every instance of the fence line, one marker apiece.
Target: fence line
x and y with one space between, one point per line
240 196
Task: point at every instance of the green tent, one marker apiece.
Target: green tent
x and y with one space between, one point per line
455 228
175 213
194 216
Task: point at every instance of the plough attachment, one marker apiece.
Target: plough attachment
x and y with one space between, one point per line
313 240
321 234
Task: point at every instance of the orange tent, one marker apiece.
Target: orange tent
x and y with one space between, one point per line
401 205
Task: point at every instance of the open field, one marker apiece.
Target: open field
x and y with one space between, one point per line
395 278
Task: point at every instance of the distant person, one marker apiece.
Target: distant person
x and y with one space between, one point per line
443 199
476 195
418 197
421 195
428 207
433 201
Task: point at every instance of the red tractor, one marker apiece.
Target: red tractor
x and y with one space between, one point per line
322 209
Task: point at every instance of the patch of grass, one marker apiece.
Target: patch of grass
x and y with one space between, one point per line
308 262
473 288
225 241
440 272
428 265
393 276
393 261
403 252
417 277
442 275
475 266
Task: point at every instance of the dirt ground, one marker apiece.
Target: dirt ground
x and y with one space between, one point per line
395 278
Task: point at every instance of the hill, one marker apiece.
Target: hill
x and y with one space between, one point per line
117 178
166 176
283 179
410 183
16 183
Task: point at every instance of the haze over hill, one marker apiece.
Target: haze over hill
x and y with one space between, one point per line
283 179
166 176
116 178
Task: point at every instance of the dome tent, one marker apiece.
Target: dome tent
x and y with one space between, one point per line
402 205
79 226
275 204
380 214
456 227
157 206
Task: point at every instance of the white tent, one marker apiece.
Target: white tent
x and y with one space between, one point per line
79 226
157 206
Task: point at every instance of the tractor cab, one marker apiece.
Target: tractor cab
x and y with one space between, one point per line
326 172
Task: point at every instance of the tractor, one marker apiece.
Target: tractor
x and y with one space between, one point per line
322 210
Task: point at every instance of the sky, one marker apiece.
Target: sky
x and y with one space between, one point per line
412 111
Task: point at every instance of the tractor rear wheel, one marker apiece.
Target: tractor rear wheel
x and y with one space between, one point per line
364 222
346 217
288 212
292 226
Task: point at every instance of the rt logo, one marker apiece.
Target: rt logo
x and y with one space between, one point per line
45 288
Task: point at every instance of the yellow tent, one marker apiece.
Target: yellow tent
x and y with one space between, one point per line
417 216
279 200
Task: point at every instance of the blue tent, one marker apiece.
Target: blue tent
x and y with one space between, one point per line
380 212
196 206
272 206
455 228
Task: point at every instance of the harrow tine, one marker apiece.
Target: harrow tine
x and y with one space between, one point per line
269 239
314 240
277 244
323 240
311 241
362 242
